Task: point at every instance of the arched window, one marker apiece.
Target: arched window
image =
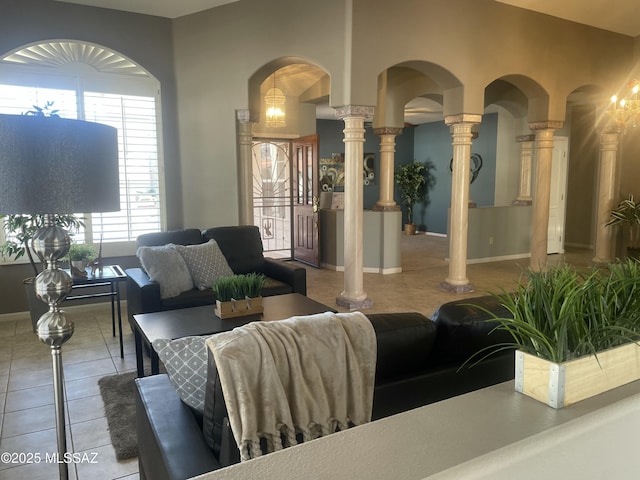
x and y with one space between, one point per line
90 82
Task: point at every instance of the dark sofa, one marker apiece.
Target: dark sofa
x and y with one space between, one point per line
241 246
418 362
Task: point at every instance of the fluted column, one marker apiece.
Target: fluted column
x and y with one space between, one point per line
385 177
526 164
461 134
606 196
245 168
353 297
542 194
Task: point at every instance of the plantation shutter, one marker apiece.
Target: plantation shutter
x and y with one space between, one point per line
135 119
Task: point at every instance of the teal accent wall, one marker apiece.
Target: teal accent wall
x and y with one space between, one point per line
330 136
432 142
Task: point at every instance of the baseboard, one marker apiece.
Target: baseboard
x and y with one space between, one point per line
384 271
578 245
498 259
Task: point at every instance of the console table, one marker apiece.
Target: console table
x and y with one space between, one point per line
110 276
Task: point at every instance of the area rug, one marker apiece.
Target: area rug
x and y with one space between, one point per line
120 406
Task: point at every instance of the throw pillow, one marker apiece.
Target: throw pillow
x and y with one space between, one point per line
206 262
185 360
167 267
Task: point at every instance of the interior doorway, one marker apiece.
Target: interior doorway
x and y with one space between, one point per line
558 195
272 200
306 239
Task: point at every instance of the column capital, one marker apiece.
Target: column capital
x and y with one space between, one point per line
243 115
525 138
364 111
546 124
387 131
462 118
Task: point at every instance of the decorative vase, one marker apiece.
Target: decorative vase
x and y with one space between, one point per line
238 308
410 228
561 384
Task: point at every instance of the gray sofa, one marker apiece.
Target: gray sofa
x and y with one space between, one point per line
418 362
241 246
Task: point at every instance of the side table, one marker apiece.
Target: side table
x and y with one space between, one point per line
110 277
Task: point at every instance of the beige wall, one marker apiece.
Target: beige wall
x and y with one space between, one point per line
463 46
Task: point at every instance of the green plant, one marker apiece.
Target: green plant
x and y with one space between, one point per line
562 314
254 284
627 215
414 180
82 252
22 228
239 286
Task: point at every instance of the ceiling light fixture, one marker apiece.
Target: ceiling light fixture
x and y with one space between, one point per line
275 103
625 110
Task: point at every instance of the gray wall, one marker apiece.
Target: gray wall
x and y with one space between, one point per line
144 39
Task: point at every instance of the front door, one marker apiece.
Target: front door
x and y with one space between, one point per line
305 200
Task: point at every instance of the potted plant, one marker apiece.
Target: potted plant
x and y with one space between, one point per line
239 295
80 254
413 179
19 231
626 215
575 333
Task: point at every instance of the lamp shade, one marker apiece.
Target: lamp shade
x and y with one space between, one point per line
57 165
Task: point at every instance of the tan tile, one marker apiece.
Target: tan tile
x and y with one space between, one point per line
84 409
82 388
85 354
89 369
28 421
107 467
28 398
20 380
90 435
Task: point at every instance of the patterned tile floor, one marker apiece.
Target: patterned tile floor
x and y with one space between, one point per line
26 391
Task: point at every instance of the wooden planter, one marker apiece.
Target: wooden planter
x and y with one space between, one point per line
559 385
239 308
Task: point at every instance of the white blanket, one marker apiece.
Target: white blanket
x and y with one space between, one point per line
312 375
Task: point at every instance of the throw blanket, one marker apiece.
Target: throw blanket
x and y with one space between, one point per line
311 375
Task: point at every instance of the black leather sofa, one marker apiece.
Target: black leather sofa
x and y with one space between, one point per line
418 362
241 246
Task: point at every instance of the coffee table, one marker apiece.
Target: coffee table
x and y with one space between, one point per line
184 322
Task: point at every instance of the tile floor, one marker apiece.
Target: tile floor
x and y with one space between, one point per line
26 391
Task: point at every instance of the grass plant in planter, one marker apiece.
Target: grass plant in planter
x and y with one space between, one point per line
239 295
574 332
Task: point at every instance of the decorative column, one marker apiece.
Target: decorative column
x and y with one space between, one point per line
353 297
526 163
245 168
542 195
457 281
606 196
387 149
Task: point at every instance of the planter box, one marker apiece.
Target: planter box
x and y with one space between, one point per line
239 308
559 385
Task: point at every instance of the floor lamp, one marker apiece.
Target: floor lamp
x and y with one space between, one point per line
50 166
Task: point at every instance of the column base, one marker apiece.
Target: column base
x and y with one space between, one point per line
467 288
518 202
385 208
354 304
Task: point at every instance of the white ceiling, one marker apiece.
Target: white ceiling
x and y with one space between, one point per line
160 8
